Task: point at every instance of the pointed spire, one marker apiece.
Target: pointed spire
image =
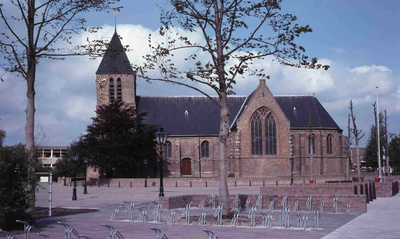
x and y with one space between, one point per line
115 60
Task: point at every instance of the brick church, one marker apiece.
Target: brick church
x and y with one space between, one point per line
264 129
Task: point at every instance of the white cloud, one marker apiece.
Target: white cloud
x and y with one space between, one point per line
79 108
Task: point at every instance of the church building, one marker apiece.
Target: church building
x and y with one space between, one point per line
266 130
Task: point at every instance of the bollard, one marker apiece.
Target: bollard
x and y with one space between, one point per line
108 184
190 183
206 183
130 184
176 184
276 182
235 183
250 183
263 183
119 184
374 191
361 189
371 197
366 193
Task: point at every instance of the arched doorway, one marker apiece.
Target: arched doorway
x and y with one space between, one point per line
186 166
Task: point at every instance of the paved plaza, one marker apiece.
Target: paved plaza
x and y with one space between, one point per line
381 221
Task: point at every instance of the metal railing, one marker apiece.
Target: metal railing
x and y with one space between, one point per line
218 214
28 228
235 219
8 234
186 212
69 231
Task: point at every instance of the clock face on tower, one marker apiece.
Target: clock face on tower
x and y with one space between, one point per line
102 81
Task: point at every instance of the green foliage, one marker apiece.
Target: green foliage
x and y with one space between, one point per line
2 136
13 186
65 167
394 153
118 141
371 154
231 175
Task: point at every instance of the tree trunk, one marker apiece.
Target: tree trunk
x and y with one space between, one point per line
358 160
30 108
222 144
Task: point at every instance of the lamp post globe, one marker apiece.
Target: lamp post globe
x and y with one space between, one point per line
75 158
161 138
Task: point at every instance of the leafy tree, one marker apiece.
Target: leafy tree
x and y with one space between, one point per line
32 29
371 154
234 33
2 137
394 153
65 167
118 141
13 186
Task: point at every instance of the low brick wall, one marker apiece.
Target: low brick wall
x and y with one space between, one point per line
387 189
308 190
357 202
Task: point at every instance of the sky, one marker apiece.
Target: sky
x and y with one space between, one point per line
359 39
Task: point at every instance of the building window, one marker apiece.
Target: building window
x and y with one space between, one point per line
167 149
329 144
111 90
263 119
311 144
270 135
205 151
119 89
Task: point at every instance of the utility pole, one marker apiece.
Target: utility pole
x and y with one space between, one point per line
378 136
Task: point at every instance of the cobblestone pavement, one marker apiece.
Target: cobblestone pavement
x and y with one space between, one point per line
379 222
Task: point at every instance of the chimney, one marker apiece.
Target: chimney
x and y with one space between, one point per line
262 82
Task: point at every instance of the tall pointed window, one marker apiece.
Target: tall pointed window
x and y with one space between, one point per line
311 144
111 90
329 144
205 149
263 129
167 149
119 89
270 135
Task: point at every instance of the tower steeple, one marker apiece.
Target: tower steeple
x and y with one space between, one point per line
116 79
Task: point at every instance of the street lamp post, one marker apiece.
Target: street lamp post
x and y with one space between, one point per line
145 172
85 161
291 171
161 138
75 158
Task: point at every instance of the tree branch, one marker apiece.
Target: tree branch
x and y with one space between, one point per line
9 27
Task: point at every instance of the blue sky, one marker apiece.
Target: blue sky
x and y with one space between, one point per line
358 39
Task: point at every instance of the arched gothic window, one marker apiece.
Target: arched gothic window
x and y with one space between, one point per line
311 144
263 121
167 149
111 90
205 151
329 144
119 89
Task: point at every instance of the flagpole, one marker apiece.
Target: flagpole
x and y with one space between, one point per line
379 143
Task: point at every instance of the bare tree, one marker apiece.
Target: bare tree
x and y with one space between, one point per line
357 136
32 28
233 34
349 142
41 137
387 168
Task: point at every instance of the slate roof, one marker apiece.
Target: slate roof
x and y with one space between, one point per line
202 117
115 60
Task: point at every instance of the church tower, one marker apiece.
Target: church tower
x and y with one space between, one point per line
115 79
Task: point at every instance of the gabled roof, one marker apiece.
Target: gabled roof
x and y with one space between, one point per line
198 115
115 60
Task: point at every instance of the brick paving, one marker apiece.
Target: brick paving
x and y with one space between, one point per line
377 223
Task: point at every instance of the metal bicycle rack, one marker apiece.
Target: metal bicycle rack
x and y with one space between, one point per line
317 215
348 209
296 206
202 219
186 212
236 201
159 234
259 201
28 228
210 234
202 203
213 200
171 217
271 205
115 214
248 203
302 221
252 215
284 216
267 219
69 231
309 204
322 207
218 214
235 219
157 212
8 234
143 215
129 209
335 200
284 201
112 232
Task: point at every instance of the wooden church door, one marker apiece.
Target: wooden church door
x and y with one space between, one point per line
186 166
